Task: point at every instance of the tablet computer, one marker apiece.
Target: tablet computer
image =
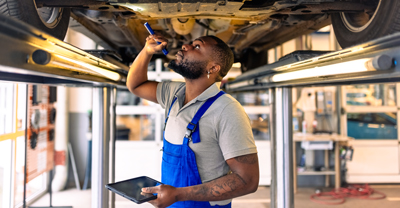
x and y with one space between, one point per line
132 189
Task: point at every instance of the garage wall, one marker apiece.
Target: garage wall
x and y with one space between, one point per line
79 103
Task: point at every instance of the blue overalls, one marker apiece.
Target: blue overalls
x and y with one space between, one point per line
179 167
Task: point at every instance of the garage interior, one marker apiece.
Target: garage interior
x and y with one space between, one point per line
314 134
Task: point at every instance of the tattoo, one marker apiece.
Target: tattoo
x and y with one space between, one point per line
215 192
247 159
228 186
217 188
231 184
201 191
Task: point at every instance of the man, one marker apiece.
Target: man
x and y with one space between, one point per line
209 155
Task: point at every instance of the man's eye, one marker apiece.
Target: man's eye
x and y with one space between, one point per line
197 46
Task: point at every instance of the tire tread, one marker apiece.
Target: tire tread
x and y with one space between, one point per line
26 11
386 22
10 8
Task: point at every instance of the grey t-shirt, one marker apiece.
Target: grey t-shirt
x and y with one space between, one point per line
225 130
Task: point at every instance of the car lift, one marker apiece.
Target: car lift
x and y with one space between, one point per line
30 56
372 62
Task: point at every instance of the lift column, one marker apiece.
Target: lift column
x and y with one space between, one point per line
103 145
281 148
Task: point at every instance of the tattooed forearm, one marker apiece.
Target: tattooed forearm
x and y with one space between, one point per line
219 189
247 159
243 179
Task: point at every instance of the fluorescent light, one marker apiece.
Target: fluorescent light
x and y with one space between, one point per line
104 72
360 65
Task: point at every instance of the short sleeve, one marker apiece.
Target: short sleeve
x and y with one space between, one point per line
166 91
234 132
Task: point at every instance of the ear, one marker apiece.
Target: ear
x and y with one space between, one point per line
215 68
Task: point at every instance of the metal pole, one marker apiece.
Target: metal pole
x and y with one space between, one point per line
338 108
113 135
101 140
282 150
26 145
273 192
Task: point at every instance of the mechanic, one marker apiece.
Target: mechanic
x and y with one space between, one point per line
207 161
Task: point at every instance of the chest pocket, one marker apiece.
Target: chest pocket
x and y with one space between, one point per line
172 153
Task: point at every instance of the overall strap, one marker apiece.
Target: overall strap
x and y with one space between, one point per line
192 132
170 107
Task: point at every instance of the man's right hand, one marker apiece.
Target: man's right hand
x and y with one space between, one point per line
137 81
152 46
166 195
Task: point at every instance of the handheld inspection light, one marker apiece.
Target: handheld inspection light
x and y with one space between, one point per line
165 51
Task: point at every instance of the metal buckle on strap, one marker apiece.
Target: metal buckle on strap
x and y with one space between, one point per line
194 126
189 132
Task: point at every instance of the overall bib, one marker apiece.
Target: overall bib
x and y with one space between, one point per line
179 167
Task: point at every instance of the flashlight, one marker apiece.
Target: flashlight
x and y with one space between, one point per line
165 51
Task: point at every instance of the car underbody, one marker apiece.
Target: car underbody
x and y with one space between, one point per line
257 25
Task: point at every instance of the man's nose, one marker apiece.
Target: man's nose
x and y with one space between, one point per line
186 47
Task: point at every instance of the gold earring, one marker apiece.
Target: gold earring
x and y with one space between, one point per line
208 75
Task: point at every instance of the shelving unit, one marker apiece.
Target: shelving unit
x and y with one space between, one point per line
337 139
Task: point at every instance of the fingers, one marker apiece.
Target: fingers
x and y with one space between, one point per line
155 44
150 190
157 38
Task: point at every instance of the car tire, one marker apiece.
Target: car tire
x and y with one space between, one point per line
52 20
251 59
355 28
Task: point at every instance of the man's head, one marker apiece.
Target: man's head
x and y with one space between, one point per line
223 55
207 54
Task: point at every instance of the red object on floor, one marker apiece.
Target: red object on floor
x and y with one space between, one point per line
338 196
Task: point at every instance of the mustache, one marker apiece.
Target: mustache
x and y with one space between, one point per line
180 53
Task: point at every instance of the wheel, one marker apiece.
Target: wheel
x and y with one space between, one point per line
251 59
52 20
356 28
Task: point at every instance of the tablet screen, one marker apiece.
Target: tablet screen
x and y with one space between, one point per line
132 188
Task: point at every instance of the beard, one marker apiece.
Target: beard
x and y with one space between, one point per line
188 69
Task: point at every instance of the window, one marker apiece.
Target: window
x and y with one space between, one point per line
35 187
12 148
6 107
371 95
370 111
372 125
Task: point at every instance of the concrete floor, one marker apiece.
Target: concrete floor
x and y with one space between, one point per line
259 199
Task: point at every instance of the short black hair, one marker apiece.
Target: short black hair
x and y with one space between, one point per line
223 55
